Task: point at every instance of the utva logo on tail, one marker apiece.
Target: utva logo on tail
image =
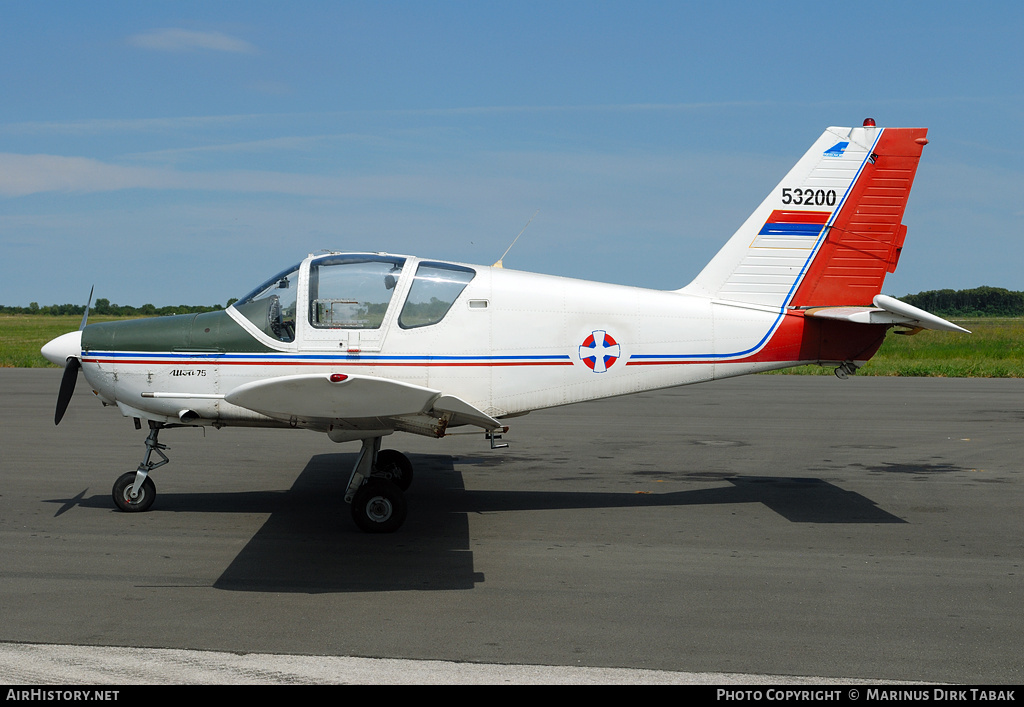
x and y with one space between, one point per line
361 345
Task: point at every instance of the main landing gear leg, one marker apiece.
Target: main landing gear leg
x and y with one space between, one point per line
378 502
134 491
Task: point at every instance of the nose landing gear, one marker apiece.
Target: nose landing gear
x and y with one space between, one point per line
134 491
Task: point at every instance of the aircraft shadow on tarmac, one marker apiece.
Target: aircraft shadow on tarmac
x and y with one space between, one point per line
310 545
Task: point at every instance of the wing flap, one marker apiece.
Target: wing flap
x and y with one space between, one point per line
463 413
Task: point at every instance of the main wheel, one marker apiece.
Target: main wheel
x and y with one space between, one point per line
123 488
378 507
395 467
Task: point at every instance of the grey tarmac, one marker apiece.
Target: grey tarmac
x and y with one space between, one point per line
764 528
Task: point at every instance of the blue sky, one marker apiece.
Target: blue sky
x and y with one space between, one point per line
183 152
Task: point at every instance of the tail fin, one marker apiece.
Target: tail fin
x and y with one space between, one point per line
830 231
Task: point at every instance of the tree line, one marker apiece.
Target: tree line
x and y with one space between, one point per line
977 302
105 307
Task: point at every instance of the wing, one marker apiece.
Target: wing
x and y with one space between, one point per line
320 396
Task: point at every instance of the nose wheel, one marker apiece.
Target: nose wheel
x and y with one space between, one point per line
134 491
129 500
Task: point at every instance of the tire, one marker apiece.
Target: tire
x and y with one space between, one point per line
379 507
395 467
123 486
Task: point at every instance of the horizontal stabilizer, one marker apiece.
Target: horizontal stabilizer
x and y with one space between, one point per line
887 310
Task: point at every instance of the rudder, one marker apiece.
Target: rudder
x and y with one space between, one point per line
865 239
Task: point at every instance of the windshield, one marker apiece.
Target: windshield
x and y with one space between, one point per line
271 306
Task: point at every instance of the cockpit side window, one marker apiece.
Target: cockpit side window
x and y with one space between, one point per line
352 291
271 306
433 292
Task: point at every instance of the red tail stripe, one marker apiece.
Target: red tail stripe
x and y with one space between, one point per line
781 216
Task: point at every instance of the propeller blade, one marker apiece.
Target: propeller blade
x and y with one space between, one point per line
67 388
85 317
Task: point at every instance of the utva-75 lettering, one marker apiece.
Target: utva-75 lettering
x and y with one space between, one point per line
809 197
188 372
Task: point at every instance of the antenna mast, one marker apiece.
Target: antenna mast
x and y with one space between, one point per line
498 264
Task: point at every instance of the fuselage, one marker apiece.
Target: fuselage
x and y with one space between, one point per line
506 342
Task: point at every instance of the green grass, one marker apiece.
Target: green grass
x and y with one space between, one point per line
995 349
22 335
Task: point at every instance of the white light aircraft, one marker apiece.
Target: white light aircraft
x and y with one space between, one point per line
361 345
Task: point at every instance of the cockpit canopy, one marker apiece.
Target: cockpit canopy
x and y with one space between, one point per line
271 306
354 291
433 292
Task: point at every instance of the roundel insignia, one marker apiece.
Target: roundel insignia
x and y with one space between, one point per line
600 351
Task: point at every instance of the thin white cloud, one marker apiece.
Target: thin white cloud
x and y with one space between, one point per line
540 180
154 125
136 125
290 144
184 40
22 175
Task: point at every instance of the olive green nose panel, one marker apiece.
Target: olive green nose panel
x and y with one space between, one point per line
207 332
